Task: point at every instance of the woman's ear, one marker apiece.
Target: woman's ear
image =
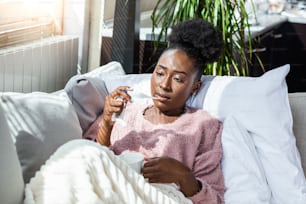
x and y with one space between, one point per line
196 87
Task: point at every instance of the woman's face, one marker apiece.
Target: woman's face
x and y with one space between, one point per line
174 79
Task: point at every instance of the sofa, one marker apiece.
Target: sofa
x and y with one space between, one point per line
264 136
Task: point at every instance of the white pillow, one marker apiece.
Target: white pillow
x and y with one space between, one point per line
139 83
114 76
244 177
113 68
261 105
39 123
87 95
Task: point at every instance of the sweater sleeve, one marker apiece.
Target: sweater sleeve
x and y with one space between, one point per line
207 165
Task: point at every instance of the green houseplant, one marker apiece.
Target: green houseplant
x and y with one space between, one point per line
229 16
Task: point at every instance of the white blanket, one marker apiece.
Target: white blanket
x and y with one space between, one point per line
82 171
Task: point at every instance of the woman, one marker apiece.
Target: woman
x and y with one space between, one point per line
181 145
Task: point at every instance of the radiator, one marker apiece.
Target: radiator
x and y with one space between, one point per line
44 65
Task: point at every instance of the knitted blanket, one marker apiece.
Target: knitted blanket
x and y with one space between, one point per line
83 171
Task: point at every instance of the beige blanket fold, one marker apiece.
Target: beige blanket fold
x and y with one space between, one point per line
83 171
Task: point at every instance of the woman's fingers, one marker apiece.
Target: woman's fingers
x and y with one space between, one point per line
164 170
156 171
121 94
116 100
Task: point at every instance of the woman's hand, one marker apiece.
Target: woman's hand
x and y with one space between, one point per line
114 103
112 106
169 170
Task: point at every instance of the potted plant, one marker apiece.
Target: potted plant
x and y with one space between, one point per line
229 16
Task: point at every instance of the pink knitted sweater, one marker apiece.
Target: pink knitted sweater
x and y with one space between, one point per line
194 139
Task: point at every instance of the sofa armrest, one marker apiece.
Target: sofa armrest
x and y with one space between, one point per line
298 108
11 188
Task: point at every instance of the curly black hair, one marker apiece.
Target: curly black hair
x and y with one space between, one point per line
199 39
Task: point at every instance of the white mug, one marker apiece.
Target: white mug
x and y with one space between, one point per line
133 159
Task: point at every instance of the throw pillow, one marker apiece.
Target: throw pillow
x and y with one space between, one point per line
110 69
39 123
140 83
261 105
244 177
87 95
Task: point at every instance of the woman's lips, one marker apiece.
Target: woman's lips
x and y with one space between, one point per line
161 97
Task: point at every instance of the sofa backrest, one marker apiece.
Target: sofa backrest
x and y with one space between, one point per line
298 109
11 174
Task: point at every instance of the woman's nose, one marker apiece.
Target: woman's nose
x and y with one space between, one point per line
165 84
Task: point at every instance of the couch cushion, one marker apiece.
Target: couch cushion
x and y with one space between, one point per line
11 174
38 124
298 108
87 95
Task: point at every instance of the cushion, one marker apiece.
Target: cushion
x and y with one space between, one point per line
87 95
244 176
11 174
39 123
106 71
114 76
138 84
261 105
298 108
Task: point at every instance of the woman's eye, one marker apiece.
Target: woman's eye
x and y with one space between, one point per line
178 79
159 73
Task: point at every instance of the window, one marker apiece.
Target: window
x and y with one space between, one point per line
22 21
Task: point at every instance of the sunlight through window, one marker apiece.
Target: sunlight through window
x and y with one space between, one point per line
27 20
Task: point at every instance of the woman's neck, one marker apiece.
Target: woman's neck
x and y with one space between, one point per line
156 116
